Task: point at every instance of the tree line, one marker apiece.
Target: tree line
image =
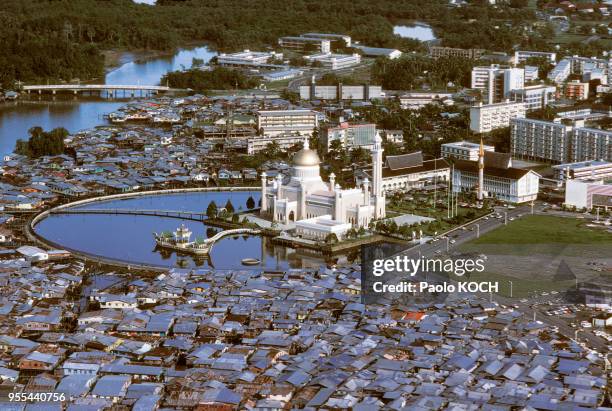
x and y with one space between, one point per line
63 39
42 143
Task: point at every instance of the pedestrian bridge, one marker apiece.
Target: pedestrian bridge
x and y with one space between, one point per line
185 215
109 88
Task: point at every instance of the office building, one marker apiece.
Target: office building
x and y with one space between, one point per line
522 55
437 52
484 118
591 144
588 194
350 135
256 144
416 101
463 150
275 122
561 71
496 82
408 171
584 170
541 140
532 73
305 44
247 58
361 92
346 40
573 90
334 61
535 97
499 179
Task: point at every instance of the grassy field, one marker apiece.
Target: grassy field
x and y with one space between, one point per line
529 252
538 229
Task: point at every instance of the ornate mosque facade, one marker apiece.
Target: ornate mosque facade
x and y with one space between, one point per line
319 208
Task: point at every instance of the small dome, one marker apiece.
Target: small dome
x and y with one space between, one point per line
306 157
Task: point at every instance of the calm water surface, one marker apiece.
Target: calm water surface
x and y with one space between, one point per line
86 112
130 238
418 31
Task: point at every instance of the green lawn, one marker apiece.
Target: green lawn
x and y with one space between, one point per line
538 229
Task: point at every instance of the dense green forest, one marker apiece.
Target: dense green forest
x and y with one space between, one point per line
42 143
201 80
63 39
409 72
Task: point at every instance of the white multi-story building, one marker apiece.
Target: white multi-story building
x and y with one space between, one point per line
535 97
522 55
256 144
340 92
496 81
275 122
305 44
542 140
591 144
561 71
558 142
463 150
584 170
335 61
416 101
484 118
532 73
247 58
500 179
350 135
588 194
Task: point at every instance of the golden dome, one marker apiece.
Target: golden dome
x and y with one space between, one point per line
306 157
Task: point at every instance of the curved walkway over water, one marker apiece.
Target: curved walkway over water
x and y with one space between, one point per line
185 215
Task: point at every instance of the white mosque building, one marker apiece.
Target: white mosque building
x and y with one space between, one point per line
319 208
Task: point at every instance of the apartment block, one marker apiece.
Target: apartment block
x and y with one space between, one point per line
350 135
463 150
487 117
276 122
584 170
573 90
542 140
523 55
561 71
535 97
284 141
496 82
591 144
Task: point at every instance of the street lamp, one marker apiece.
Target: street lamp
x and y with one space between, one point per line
510 288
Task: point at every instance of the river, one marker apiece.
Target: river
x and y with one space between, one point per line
75 114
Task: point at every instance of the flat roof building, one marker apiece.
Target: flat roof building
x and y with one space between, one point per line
462 150
335 61
350 135
484 118
535 97
305 44
522 55
275 122
437 52
588 194
331 37
340 92
584 170
496 82
247 58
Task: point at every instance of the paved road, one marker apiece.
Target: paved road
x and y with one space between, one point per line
487 224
